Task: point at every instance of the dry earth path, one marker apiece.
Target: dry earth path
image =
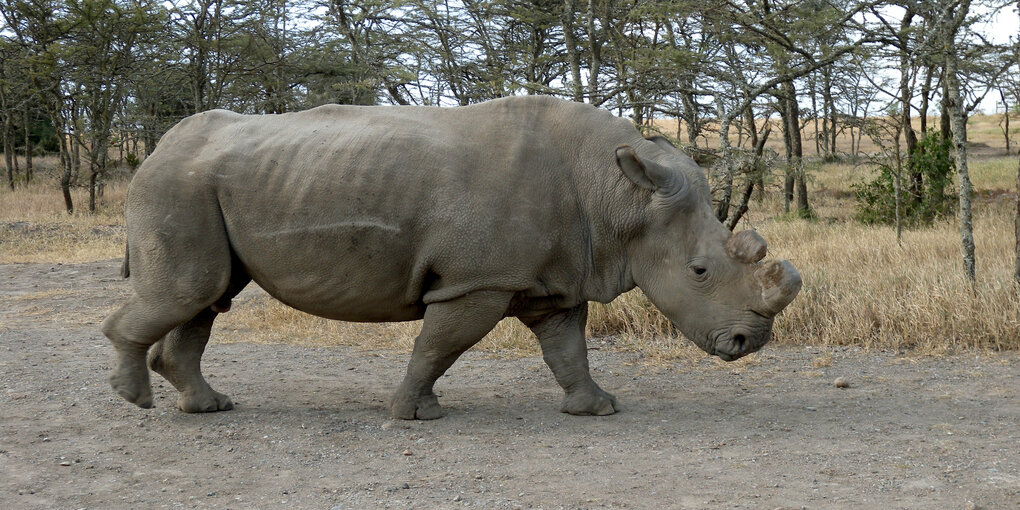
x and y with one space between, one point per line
311 427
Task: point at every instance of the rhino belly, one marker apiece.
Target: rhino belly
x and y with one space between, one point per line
353 269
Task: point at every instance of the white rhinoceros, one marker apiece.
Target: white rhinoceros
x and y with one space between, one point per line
526 207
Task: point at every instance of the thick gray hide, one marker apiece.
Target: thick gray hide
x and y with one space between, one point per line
525 207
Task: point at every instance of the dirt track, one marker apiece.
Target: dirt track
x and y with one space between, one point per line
311 428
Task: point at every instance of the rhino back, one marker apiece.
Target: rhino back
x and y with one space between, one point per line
370 213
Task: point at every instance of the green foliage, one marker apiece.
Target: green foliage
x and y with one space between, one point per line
132 161
41 133
932 160
796 215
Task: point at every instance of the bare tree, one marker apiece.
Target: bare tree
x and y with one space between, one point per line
1016 219
1016 225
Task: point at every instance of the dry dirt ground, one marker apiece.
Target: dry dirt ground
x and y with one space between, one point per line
311 427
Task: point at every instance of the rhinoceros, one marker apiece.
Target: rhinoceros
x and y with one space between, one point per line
525 207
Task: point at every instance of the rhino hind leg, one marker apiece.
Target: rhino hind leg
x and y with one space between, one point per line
449 329
176 272
564 349
178 355
133 328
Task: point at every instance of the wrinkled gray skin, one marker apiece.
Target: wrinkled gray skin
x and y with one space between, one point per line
523 207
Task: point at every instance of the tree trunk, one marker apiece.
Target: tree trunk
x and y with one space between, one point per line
595 55
149 137
925 97
93 173
722 211
1016 220
803 208
65 163
100 141
829 104
897 186
906 94
944 127
954 103
5 138
8 150
65 184
28 149
1005 118
796 156
758 143
573 56
690 115
753 175
1016 226
14 157
788 180
752 129
814 114
745 198
76 160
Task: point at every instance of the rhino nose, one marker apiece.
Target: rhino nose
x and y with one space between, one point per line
737 344
732 348
739 341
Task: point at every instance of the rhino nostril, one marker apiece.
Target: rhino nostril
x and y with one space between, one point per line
739 340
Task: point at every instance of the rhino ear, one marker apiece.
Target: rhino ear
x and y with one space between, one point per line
664 144
645 173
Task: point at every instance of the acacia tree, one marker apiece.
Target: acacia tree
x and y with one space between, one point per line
769 25
908 70
952 22
1016 219
206 34
109 42
8 54
39 28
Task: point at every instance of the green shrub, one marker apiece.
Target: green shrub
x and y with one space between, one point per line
132 161
933 159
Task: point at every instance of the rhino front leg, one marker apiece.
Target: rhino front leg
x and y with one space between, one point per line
561 335
450 328
177 357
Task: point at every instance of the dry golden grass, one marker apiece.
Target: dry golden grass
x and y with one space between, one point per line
34 226
982 130
265 320
629 323
860 287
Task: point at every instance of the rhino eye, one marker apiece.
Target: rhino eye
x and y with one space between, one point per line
698 270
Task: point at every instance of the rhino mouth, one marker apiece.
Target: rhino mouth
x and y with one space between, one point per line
726 356
731 344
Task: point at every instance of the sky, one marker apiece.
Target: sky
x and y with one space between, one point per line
1002 28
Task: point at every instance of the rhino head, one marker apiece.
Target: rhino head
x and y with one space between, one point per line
710 283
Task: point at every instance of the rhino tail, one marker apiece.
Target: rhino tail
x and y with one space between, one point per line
125 269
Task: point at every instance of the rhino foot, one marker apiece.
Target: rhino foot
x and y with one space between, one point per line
132 384
208 402
420 407
589 403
